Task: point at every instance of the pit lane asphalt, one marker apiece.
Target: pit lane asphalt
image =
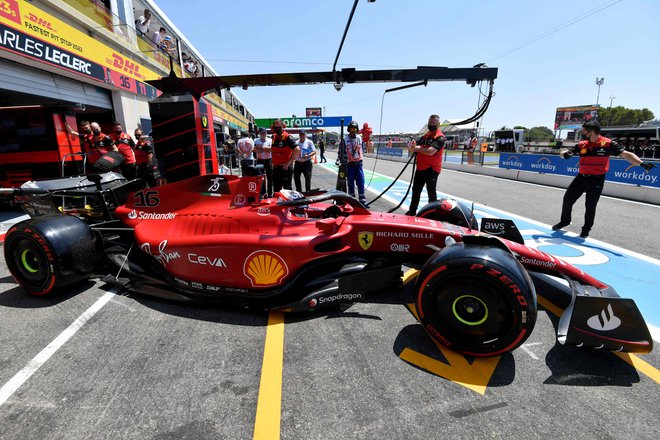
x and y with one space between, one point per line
147 368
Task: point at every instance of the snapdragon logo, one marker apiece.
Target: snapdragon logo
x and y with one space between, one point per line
340 297
636 176
512 162
544 164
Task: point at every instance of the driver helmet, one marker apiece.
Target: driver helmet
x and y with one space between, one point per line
353 124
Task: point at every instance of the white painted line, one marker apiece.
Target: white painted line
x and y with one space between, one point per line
22 376
528 351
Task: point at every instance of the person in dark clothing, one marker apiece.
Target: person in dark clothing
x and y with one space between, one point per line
322 151
429 163
147 167
594 151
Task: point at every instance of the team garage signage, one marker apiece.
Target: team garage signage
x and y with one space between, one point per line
621 171
28 31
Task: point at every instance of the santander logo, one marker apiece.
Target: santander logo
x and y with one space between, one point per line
605 321
132 215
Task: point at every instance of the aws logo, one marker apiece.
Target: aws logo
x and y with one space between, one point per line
265 268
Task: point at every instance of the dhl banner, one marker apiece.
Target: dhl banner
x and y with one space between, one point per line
222 115
30 32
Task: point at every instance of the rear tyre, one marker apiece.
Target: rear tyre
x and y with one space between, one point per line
450 211
477 300
46 253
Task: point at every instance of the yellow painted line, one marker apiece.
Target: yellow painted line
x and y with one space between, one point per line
641 365
474 376
269 403
638 363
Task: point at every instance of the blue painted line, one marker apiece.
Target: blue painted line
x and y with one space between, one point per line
633 275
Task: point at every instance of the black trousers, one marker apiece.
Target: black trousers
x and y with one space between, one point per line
267 187
281 177
428 177
128 170
323 159
583 183
144 173
304 168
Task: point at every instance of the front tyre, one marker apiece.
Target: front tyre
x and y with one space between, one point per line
46 253
477 300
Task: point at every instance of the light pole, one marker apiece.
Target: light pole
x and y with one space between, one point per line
609 110
599 82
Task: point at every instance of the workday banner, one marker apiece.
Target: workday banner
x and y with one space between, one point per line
621 171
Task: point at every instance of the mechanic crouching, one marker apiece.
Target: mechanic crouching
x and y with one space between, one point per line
594 151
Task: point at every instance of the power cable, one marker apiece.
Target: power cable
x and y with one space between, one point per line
556 29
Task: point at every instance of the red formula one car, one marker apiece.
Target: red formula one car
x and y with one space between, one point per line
212 238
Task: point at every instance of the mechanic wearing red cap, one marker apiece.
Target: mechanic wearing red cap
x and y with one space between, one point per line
429 163
283 149
595 151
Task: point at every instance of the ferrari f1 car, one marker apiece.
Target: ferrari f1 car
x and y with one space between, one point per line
212 238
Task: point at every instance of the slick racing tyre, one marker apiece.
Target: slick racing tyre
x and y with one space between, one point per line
450 211
47 253
477 300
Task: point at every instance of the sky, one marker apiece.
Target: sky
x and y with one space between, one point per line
616 40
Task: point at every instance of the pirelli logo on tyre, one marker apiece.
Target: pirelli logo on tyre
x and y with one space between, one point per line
265 268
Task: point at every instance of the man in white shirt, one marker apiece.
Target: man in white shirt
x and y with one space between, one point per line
158 36
245 147
143 22
262 146
304 162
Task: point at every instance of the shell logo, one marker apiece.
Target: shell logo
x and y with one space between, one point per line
265 268
583 151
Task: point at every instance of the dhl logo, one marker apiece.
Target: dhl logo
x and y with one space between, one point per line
9 10
125 65
40 22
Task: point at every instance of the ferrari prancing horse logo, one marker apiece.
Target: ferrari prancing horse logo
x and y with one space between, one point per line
366 239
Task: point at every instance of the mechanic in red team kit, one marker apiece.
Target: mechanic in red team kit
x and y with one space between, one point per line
100 144
594 151
429 163
146 167
284 149
124 143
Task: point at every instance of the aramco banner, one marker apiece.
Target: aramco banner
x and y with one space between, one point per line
306 122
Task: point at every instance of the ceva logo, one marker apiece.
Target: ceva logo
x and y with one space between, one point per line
513 162
605 321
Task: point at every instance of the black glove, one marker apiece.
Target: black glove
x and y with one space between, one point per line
566 155
647 165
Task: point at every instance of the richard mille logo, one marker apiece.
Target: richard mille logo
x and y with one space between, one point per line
605 321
